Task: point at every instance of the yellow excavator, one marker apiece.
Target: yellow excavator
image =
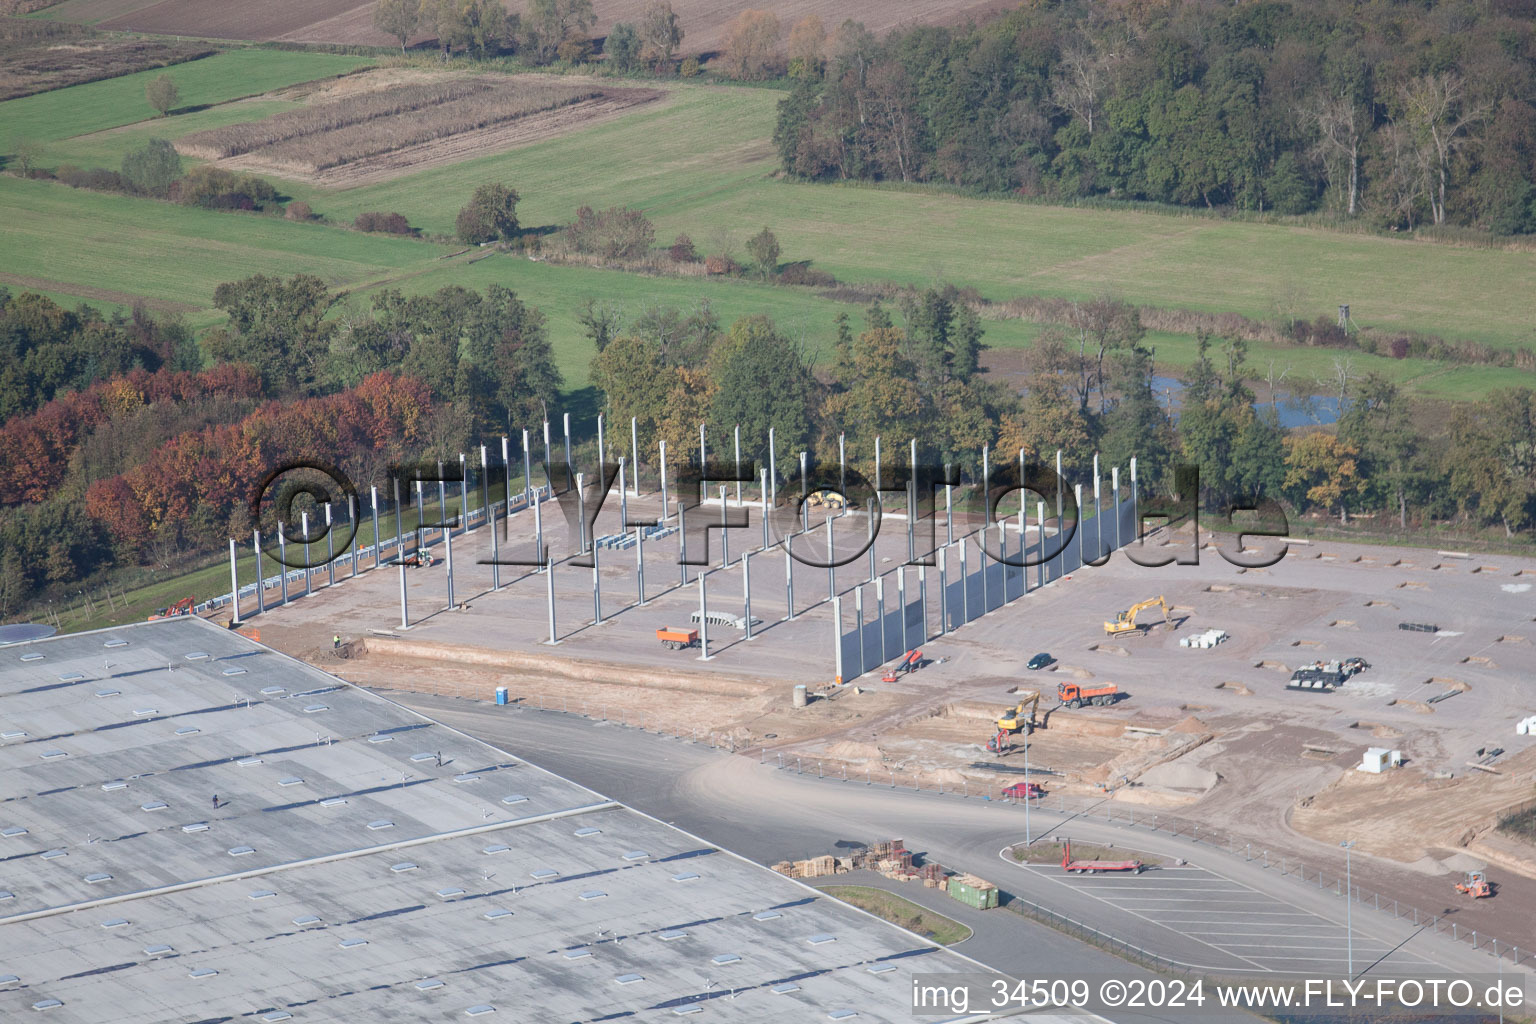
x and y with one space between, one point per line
1125 622
1020 718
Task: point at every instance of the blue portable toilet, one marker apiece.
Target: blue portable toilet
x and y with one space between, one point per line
501 695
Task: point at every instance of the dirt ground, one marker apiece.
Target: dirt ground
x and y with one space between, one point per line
1209 736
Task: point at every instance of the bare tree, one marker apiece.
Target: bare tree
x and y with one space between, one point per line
1339 123
1082 78
1436 111
1401 188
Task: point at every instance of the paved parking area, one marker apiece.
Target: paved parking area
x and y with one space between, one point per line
1231 926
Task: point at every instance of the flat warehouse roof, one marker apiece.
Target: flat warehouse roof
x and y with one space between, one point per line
363 863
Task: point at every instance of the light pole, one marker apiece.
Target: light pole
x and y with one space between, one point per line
1027 800
1349 908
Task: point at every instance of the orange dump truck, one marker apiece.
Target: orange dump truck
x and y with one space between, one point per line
677 639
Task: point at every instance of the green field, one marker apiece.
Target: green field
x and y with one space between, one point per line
700 162
96 106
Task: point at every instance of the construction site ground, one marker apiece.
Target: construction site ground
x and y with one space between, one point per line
1210 735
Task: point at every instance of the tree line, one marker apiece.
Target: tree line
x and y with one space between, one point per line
1397 114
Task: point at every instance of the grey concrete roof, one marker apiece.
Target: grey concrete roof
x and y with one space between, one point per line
346 875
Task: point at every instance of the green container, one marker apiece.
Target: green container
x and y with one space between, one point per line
973 896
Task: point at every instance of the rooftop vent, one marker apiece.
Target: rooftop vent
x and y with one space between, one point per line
248 762
115 922
109 693
629 979
515 798
403 866
686 876
8 979
13 832
593 894
583 833
241 851
636 855
380 738
71 677
154 805
767 915
544 873
467 777
98 876
450 892
116 643
234 670
13 734
351 943
428 984
497 914
202 972
683 1011
159 949
49 754
577 954
842 1014
881 968
261 894
671 934
821 939
275 1016
315 708
424 756
196 826
292 780
381 823
187 730
721 959
784 988
113 786
144 712
47 1004
196 655
305 920
53 854
492 850
6 894
476 1011
332 801
272 691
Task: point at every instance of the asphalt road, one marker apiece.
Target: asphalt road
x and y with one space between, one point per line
1219 913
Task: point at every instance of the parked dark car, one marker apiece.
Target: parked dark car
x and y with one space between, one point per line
1039 662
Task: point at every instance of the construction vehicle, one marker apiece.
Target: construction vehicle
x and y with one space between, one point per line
1326 675
182 607
1125 622
677 639
1093 867
908 663
1015 720
418 559
1075 695
1476 886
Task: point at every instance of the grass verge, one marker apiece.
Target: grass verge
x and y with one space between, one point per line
901 911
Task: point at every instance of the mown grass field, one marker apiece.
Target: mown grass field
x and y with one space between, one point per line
700 162
901 911
95 106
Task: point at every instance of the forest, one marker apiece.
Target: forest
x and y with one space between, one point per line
1393 114
137 461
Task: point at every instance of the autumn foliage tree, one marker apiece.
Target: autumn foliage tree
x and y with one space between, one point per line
1323 468
751 45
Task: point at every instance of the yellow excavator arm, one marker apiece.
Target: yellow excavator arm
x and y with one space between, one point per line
1013 720
1125 622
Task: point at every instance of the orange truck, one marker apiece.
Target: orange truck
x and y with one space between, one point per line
1075 695
677 639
